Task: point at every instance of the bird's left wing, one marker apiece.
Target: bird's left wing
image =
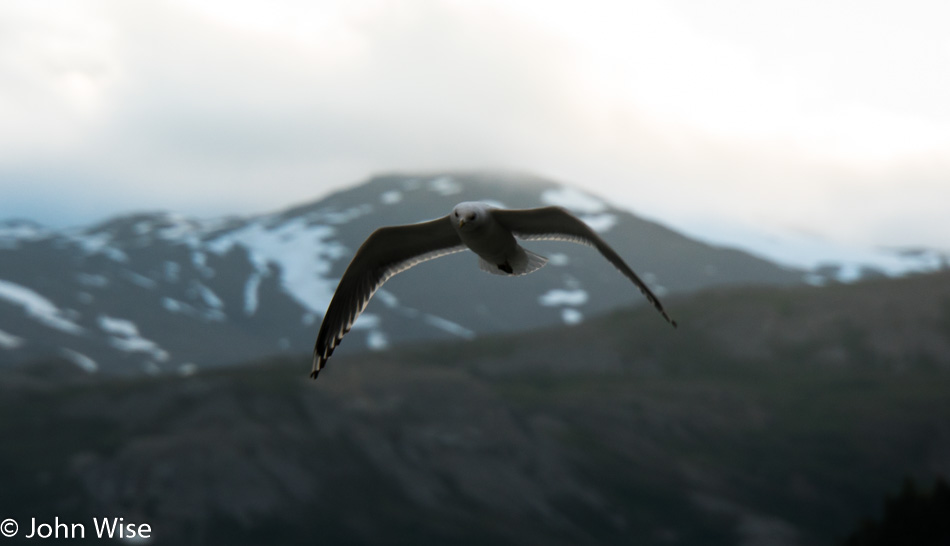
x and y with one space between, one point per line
555 223
386 252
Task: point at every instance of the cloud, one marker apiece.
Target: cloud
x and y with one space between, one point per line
677 109
187 107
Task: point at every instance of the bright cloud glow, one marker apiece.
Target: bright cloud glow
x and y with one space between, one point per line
808 115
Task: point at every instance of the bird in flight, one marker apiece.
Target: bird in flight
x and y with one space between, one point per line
487 231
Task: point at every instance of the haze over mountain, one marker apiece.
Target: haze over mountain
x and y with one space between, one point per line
161 292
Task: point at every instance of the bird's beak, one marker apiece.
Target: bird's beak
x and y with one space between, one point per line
461 222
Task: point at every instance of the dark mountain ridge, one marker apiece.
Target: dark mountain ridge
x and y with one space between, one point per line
774 415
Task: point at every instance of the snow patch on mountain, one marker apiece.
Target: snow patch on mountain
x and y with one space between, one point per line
143 227
22 229
13 232
125 337
571 316
166 226
92 280
302 272
445 185
449 326
250 293
172 271
38 307
176 227
339 217
827 260
200 261
140 280
388 298
9 341
600 223
97 243
558 296
558 259
390 197
176 306
573 200
367 321
173 305
117 326
139 345
87 364
206 295
377 340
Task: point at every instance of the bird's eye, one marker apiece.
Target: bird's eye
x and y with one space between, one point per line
456 214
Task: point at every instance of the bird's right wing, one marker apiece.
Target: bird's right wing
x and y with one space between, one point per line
386 252
556 223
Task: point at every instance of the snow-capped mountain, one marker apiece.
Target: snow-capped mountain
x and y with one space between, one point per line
160 292
826 260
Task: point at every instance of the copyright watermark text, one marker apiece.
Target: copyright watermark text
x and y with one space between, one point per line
99 528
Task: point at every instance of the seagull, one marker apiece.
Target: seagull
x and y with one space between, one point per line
487 231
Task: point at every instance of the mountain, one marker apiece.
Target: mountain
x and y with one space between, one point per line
827 261
159 292
774 415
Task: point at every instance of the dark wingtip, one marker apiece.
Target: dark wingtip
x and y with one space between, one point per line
667 317
313 375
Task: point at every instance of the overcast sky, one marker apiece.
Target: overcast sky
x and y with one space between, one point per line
824 117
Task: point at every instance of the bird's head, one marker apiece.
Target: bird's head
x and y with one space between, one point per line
469 215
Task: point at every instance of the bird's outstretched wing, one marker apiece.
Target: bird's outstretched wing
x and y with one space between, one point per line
555 223
386 252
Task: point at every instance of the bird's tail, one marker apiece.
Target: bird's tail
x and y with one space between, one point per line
534 263
521 263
